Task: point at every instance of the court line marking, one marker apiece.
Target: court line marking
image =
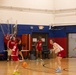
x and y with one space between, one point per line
41 71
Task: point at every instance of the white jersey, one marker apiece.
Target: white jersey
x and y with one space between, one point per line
57 48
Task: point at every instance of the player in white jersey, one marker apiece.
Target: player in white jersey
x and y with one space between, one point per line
60 54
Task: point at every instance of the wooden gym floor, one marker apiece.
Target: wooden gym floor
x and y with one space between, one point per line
45 67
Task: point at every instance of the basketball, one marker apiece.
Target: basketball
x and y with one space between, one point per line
24 64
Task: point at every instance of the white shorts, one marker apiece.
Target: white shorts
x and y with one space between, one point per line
9 52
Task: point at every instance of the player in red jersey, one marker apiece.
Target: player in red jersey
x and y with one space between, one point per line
19 45
15 59
39 47
6 39
14 56
10 45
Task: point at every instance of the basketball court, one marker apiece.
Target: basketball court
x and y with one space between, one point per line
44 67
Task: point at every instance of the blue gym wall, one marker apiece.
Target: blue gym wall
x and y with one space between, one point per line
26 29
59 33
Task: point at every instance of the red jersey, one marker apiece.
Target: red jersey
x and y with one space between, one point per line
39 45
14 53
6 39
10 44
15 50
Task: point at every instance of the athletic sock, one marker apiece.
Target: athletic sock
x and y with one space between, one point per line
59 67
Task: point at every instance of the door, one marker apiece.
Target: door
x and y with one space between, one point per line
26 42
72 45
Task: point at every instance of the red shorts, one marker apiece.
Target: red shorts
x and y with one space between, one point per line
39 48
61 54
15 58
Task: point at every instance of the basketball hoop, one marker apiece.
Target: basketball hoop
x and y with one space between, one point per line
14 30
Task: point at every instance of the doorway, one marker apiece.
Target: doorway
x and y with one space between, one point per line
45 50
71 44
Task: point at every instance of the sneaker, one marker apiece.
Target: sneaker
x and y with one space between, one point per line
58 70
16 73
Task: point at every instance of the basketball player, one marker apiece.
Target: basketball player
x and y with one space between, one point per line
15 58
39 47
19 45
10 45
60 54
